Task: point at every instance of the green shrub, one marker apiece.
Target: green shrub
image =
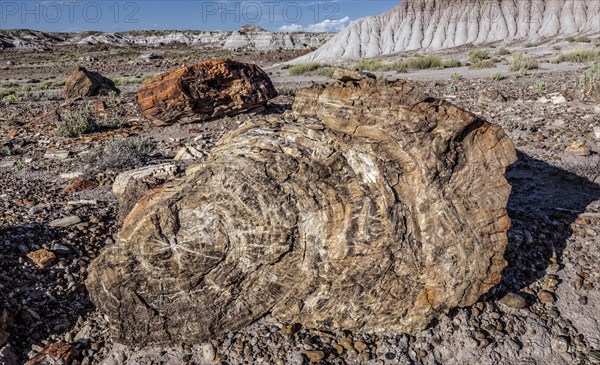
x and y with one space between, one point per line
303 68
578 56
456 76
591 76
76 124
556 47
452 88
503 52
451 63
483 64
497 76
520 62
540 86
583 39
570 39
287 91
478 55
10 99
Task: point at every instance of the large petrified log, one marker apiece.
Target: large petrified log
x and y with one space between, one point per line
82 83
205 91
371 207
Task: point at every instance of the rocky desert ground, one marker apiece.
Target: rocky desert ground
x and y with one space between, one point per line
65 166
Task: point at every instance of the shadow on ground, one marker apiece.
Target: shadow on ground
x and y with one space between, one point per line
544 202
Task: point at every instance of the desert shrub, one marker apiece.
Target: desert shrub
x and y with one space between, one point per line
451 63
570 39
11 99
540 86
478 55
456 76
578 56
121 153
497 76
76 124
503 52
369 65
304 68
424 62
452 88
483 64
583 40
6 151
287 91
530 44
591 76
556 47
520 62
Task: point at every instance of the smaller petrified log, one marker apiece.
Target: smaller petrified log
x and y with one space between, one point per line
205 91
82 83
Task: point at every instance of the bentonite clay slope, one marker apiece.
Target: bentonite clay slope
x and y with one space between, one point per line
434 25
371 207
205 91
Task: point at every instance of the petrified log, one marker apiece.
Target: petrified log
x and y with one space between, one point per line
205 91
371 207
82 83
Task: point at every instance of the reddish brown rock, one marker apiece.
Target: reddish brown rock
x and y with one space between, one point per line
5 322
82 83
79 184
42 258
58 353
205 91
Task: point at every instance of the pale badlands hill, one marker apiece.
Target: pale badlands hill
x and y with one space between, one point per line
247 37
432 25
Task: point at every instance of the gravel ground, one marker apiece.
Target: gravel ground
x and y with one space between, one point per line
545 311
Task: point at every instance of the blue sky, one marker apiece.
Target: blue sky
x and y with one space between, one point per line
112 16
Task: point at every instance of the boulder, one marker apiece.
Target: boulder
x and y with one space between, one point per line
205 91
42 258
164 170
345 75
490 95
371 207
82 83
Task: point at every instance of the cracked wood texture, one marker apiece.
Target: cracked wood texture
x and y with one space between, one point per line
205 91
370 207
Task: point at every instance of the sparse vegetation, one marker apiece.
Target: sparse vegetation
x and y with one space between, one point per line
583 40
520 62
11 99
483 64
456 76
478 55
121 153
312 69
556 47
591 76
413 63
570 39
287 90
578 56
452 88
497 76
540 86
502 52
76 124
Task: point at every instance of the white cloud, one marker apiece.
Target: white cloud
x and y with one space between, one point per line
327 25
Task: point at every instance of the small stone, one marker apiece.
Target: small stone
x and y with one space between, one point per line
79 184
360 346
208 351
583 300
578 148
314 356
546 297
513 300
472 343
338 349
390 355
42 258
65 222
59 249
560 344
290 329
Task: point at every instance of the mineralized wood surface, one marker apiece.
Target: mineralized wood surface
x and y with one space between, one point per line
82 83
371 207
205 91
